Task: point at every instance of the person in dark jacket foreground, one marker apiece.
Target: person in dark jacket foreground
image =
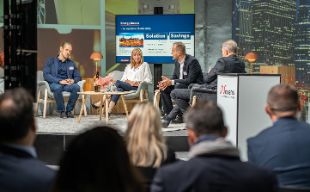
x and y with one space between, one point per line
214 163
283 147
19 169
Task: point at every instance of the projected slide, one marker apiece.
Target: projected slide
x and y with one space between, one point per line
154 34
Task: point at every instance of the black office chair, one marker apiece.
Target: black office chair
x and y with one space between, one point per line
201 94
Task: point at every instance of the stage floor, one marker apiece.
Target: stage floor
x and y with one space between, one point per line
56 125
54 134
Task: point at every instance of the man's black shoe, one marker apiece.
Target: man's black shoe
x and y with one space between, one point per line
165 123
178 119
69 115
62 115
94 106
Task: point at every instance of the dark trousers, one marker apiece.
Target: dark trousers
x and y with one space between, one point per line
122 86
165 97
57 90
181 98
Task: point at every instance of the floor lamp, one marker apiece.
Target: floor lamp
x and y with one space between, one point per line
96 57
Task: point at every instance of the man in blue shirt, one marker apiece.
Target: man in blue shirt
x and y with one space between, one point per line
283 147
62 75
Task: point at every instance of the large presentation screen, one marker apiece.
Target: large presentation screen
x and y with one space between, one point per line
154 34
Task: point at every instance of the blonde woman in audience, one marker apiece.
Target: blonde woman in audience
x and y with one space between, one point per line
145 142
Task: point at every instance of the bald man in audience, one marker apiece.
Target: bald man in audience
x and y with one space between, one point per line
19 169
214 163
284 146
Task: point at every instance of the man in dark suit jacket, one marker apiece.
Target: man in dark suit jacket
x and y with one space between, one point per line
229 63
214 163
62 75
19 169
283 147
187 70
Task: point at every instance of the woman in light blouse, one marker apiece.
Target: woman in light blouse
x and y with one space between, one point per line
135 72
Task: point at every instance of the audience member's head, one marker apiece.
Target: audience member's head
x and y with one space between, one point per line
229 47
178 50
97 160
282 101
16 117
203 119
145 141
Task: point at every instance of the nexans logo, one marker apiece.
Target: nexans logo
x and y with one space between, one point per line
224 91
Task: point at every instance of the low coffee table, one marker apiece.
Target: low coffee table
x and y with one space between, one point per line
104 97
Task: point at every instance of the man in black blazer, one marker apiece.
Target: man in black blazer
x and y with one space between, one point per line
283 147
187 70
19 169
214 163
229 63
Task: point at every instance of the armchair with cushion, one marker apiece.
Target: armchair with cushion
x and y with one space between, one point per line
45 95
140 95
202 92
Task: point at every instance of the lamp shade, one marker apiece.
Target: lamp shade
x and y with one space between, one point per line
96 56
251 57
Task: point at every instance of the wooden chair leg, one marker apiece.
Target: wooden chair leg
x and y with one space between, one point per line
106 106
81 110
146 94
102 99
194 100
156 98
141 95
124 104
84 107
36 107
45 103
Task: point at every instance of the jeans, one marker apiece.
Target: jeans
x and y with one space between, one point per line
122 86
57 90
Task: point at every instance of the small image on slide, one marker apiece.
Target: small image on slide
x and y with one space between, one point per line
131 39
